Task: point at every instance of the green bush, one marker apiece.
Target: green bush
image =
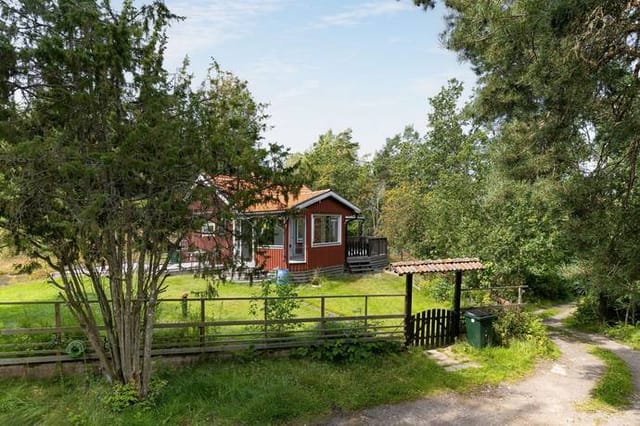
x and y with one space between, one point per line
627 333
515 324
349 351
283 307
439 289
122 396
586 313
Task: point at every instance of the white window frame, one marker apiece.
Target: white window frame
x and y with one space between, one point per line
208 228
313 230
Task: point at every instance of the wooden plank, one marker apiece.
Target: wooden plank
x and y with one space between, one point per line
437 325
441 330
423 328
224 323
432 329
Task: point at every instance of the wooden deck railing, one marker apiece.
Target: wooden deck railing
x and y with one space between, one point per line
38 332
366 246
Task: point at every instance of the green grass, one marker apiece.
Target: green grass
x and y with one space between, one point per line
548 313
25 316
42 316
627 334
615 388
261 390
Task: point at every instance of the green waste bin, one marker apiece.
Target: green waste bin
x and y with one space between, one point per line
479 324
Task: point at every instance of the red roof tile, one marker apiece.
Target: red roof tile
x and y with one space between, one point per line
438 265
277 200
288 202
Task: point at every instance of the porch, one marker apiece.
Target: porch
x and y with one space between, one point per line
366 254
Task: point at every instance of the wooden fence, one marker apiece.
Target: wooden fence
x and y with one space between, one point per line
203 326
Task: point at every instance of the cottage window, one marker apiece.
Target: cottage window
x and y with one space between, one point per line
272 235
326 229
208 228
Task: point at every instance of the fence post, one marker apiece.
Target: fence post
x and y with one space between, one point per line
408 332
266 316
202 317
519 295
58 324
322 311
456 304
366 312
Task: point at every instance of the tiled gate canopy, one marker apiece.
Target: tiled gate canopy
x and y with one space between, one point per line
437 265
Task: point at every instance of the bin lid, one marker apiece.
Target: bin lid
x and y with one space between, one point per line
479 314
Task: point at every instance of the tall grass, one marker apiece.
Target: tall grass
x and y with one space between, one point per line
256 390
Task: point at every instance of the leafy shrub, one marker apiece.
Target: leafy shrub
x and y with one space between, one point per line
515 324
439 289
281 308
627 333
123 396
349 351
348 344
586 313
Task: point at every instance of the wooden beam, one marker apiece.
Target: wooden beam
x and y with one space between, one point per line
456 304
408 326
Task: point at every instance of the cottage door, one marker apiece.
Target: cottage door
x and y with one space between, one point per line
244 242
297 239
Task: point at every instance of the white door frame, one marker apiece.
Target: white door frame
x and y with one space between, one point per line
297 239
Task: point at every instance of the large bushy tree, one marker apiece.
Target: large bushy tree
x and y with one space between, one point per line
559 85
100 148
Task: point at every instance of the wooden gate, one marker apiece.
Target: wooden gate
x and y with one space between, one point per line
432 328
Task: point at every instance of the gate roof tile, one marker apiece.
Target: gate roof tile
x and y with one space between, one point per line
436 265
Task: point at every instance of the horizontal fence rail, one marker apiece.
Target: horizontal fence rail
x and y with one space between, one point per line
499 295
41 331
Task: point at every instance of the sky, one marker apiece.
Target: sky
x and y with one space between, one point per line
368 65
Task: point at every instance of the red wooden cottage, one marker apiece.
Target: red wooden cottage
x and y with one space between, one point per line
303 234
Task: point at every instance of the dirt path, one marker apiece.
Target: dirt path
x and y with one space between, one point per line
548 397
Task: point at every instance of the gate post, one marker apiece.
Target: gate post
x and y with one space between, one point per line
408 326
456 304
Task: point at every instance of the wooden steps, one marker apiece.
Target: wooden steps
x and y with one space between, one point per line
359 265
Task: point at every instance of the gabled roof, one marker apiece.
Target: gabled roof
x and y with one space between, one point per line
305 198
439 265
280 201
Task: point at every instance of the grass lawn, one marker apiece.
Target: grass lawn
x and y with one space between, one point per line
261 390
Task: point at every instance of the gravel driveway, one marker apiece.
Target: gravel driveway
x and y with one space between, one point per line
548 397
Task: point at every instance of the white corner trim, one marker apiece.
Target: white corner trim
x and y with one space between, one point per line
325 195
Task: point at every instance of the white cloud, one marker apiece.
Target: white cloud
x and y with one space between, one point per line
301 89
274 66
210 23
356 14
